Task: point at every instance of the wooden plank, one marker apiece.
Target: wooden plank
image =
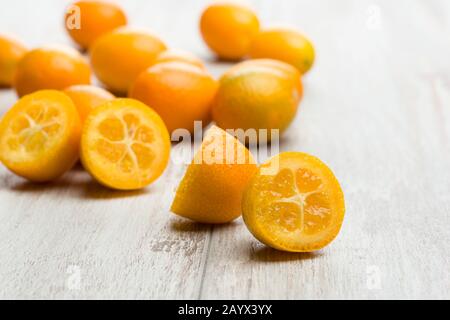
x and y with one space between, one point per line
371 114
118 245
74 239
375 109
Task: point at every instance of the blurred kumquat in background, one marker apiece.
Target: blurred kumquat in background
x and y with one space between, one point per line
11 51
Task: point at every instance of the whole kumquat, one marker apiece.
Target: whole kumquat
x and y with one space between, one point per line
180 92
286 45
261 95
228 29
179 56
50 67
118 57
87 97
87 20
11 51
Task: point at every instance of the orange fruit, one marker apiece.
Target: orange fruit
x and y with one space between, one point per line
95 18
11 51
294 203
53 67
283 67
228 29
125 144
87 97
258 95
286 45
179 56
118 57
211 190
40 136
181 93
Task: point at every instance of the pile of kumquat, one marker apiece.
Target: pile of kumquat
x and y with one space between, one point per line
121 130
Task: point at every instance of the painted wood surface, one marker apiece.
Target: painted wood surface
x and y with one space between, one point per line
376 109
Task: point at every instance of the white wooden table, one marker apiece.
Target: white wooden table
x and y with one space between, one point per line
376 109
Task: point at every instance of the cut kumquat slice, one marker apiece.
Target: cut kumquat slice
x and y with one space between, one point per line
294 203
40 136
125 144
212 187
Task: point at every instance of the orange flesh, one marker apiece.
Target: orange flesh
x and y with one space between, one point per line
34 128
40 135
299 207
125 144
295 203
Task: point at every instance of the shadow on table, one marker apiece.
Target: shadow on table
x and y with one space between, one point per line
78 167
95 191
210 58
185 225
76 184
257 251
267 254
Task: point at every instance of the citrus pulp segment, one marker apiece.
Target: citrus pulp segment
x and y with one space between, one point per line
298 207
125 144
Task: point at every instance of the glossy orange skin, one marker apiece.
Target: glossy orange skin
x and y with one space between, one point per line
54 67
228 28
11 51
118 57
289 70
286 45
96 19
179 56
257 95
212 188
87 97
179 92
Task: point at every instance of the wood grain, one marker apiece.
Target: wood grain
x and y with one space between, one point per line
376 109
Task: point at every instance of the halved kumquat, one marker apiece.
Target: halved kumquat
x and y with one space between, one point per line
294 203
40 136
211 190
125 144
